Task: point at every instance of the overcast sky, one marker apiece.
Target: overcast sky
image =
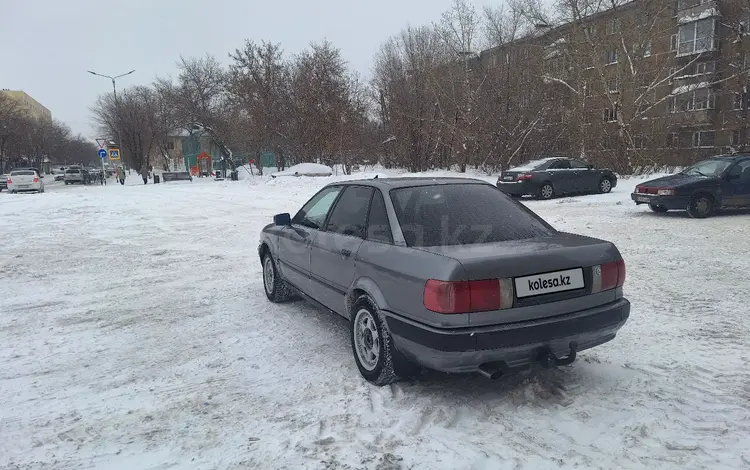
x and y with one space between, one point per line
46 46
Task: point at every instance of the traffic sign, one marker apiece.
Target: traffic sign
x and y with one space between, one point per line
114 154
102 153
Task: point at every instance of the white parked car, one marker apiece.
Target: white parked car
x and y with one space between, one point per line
25 180
305 169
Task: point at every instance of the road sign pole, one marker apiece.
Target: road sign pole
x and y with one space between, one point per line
102 156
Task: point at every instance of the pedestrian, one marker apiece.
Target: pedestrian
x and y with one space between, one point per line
144 174
101 178
121 175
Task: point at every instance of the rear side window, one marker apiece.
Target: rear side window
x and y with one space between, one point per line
350 214
23 173
559 165
463 214
378 226
72 172
314 213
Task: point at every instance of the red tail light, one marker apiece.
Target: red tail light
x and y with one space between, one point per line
468 296
609 276
36 179
9 181
523 177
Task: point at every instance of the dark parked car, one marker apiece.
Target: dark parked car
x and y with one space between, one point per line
554 176
721 182
446 273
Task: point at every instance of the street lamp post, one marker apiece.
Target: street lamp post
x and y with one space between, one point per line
117 106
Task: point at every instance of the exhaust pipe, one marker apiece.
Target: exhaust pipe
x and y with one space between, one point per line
491 371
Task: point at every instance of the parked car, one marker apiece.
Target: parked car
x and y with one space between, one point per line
76 175
305 169
445 273
719 183
25 180
4 182
555 176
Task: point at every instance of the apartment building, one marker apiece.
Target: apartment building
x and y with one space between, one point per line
648 82
28 105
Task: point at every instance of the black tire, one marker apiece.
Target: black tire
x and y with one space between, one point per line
658 209
390 365
701 206
67 183
275 288
546 191
605 185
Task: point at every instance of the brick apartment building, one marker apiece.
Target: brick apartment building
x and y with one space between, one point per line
28 105
650 82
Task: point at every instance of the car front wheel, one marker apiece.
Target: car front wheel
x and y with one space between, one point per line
276 290
701 206
546 191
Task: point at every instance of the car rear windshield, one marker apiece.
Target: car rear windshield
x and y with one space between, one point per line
72 172
22 173
462 214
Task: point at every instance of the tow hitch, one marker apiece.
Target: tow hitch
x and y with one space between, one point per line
548 359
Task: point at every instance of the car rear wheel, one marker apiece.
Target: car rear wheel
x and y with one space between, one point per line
276 289
546 191
605 185
701 206
657 208
377 359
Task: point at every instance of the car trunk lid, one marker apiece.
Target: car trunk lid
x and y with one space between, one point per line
23 179
567 257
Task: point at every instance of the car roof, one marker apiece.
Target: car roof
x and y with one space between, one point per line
730 157
407 182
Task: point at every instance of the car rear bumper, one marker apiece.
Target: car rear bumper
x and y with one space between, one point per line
24 187
510 346
517 188
670 202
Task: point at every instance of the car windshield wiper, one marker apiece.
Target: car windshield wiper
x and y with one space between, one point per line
701 173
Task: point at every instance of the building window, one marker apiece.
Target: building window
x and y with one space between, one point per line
697 100
685 4
170 145
639 142
613 85
647 49
705 68
610 115
611 57
697 37
737 101
673 43
735 139
589 32
613 26
704 139
673 140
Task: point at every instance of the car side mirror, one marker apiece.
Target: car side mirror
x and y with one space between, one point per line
590 167
282 219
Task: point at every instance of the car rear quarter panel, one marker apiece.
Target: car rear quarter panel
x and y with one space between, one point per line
395 277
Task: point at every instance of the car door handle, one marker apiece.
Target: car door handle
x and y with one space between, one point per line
346 253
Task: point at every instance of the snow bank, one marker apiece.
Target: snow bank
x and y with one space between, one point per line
688 88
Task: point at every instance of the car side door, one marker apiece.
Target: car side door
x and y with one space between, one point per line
736 185
584 178
334 250
295 241
559 175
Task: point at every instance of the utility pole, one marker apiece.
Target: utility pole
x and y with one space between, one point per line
117 107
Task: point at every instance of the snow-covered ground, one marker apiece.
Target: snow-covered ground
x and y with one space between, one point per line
134 334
